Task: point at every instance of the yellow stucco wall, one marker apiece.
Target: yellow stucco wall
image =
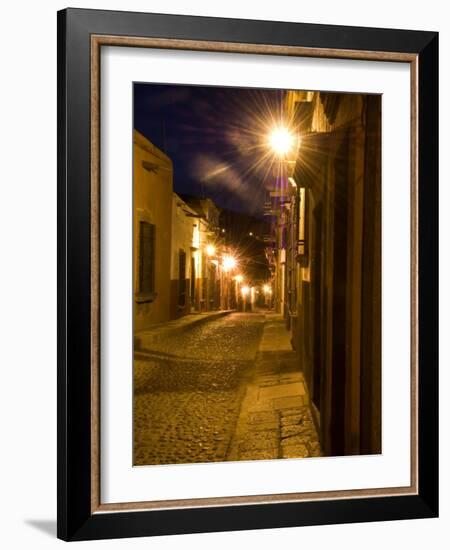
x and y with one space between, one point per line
183 225
153 185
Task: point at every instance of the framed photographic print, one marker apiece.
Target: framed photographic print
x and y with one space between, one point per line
247 255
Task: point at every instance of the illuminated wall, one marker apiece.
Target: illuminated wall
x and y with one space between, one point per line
153 206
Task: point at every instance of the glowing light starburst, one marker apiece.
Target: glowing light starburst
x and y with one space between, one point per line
281 141
261 136
228 263
211 250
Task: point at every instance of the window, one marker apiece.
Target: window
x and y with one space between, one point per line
146 260
181 278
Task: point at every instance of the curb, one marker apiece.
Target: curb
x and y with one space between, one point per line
174 330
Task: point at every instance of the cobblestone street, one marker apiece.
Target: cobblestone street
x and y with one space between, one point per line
188 389
195 400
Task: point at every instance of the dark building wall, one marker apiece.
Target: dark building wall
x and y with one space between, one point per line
371 286
183 226
337 330
178 309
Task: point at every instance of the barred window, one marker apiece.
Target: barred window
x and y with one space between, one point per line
146 258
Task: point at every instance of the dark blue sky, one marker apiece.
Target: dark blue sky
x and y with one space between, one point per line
215 136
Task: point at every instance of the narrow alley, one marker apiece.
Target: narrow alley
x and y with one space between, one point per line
217 390
256 274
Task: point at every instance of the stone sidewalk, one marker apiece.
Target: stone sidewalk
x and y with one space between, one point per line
275 419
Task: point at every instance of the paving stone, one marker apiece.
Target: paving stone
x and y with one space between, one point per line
287 402
296 439
263 426
268 454
292 419
295 451
292 411
294 377
267 370
265 406
314 448
308 423
260 441
263 416
282 390
298 429
268 379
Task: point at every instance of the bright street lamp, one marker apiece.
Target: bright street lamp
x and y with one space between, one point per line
239 278
228 263
211 250
281 140
245 290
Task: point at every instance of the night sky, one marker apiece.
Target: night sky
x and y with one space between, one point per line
216 138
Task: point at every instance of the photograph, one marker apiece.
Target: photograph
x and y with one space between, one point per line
257 246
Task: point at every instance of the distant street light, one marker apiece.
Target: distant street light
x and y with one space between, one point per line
228 263
211 250
245 290
239 278
266 289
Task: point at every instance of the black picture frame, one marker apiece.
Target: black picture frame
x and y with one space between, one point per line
76 521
